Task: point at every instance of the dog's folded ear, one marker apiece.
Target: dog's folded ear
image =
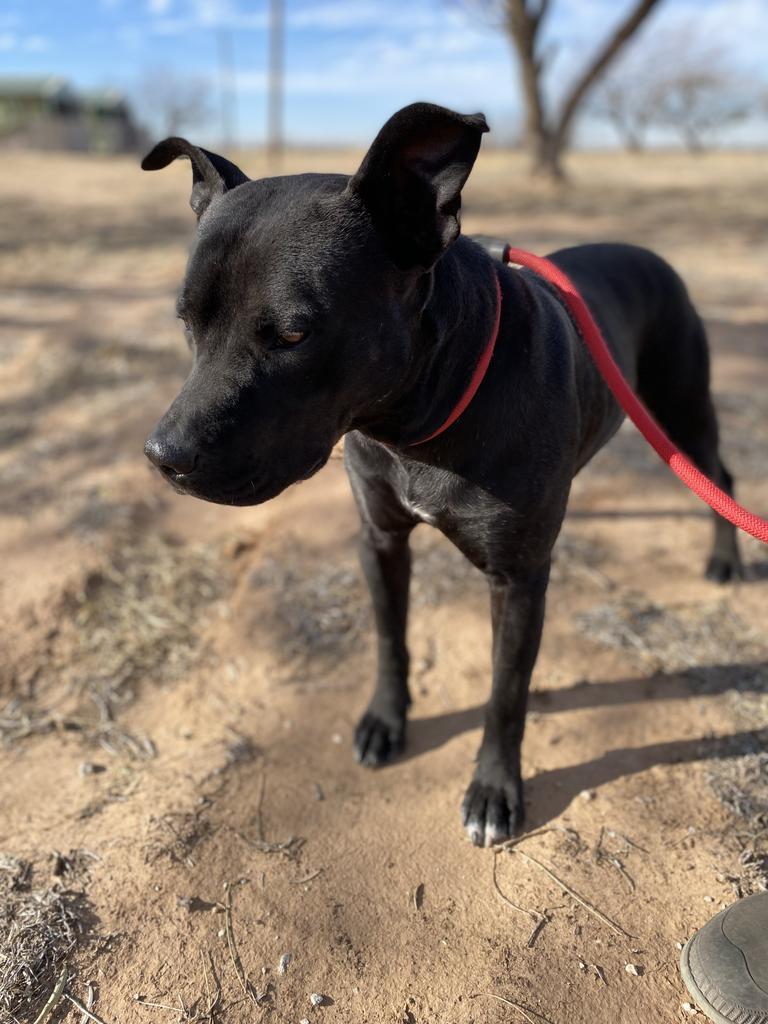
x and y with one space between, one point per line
411 180
212 175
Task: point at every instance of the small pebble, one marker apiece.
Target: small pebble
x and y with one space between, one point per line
89 768
220 933
635 969
337 738
709 899
587 794
304 1020
679 945
690 1009
316 999
285 960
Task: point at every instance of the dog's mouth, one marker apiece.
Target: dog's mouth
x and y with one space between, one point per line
247 491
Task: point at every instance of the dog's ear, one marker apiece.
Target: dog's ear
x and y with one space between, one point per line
411 180
212 175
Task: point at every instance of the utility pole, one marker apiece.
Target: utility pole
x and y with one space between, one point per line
276 75
227 87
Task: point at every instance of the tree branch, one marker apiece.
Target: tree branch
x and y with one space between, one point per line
602 59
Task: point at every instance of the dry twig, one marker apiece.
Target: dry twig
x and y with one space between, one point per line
242 977
213 998
160 1006
572 892
288 847
86 1011
603 856
55 997
538 1019
307 878
539 919
88 1004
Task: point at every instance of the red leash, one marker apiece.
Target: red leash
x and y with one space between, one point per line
679 463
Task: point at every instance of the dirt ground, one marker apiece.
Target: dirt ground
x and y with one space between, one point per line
180 682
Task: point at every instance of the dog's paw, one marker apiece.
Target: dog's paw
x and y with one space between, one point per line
724 570
378 739
492 814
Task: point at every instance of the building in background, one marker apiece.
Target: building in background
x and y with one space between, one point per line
48 113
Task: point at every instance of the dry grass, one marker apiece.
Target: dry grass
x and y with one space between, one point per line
704 641
672 639
315 610
136 619
41 927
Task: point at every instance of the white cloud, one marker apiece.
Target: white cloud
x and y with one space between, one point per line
214 12
333 16
476 78
35 44
12 41
438 59
158 7
354 14
422 65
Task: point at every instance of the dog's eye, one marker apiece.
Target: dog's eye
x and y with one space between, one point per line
292 337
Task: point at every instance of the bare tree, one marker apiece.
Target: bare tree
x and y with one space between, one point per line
171 102
548 133
698 105
629 106
679 81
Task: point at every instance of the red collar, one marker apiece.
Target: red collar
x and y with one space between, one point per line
477 377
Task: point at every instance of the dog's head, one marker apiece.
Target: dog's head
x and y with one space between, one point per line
300 302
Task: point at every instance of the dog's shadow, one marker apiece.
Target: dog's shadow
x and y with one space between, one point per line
550 792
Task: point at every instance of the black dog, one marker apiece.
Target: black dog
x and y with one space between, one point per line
319 305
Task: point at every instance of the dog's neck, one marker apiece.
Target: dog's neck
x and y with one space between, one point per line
448 340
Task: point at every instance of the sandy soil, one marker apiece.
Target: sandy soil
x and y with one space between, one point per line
180 682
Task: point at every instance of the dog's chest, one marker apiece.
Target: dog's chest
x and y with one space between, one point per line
438 497
425 515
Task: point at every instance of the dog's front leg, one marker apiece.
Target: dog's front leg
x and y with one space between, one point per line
386 560
493 809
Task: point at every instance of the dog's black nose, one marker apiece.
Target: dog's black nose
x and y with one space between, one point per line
170 458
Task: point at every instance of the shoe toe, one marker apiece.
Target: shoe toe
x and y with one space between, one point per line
725 965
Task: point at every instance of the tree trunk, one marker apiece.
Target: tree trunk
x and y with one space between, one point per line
629 134
547 140
694 143
523 21
547 160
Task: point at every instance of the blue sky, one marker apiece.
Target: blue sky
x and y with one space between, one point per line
350 63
